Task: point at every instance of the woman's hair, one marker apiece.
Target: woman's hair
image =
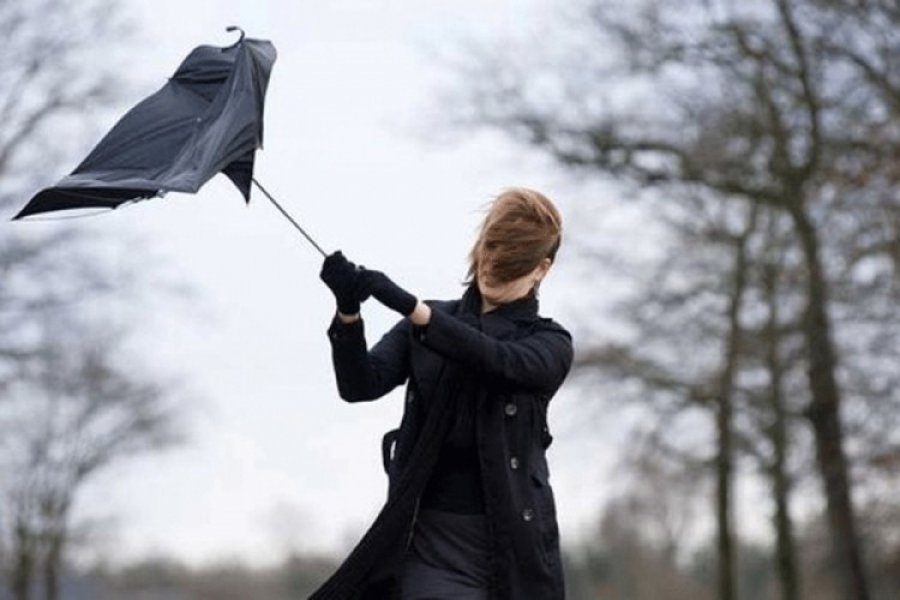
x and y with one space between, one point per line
522 227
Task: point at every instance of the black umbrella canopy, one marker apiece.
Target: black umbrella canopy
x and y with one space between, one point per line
206 119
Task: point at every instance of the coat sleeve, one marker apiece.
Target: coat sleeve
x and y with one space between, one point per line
539 361
367 375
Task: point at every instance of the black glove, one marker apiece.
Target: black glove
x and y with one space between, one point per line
387 292
342 278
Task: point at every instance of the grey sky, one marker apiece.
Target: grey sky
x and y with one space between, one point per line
345 153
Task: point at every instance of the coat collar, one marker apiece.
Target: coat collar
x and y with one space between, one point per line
523 309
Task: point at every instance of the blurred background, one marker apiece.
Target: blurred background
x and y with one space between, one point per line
729 176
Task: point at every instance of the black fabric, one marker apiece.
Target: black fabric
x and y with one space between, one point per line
207 118
341 276
421 581
455 483
450 557
517 361
387 292
370 571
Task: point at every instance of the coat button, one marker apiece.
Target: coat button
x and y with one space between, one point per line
409 396
511 409
514 463
527 515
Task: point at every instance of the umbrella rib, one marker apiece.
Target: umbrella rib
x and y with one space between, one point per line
287 216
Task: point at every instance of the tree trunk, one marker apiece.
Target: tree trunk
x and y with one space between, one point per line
824 415
725 420
52 566
724 478
23 553
785 547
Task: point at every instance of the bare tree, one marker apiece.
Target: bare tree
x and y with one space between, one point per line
640 551
51 89
776 104
68 409
725 407
777 420
82 411
698 299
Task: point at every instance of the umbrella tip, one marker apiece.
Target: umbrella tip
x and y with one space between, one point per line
231 28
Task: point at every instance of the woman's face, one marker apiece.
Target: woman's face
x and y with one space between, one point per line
495 293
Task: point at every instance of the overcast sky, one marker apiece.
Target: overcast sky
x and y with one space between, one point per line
275 458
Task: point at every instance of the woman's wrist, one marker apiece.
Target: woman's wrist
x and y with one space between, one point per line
347 319
421 314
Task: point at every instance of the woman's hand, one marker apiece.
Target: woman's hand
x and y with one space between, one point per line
342 278
391 295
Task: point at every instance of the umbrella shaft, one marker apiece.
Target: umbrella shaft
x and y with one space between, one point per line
289 217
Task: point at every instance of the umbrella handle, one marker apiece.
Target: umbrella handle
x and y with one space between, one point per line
288 217
235 28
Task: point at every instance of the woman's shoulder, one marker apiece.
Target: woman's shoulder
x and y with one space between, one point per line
541 322
548 324
551 323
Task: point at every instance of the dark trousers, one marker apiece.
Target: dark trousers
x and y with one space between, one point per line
449 558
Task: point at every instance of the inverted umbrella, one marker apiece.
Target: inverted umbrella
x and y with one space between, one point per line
208 118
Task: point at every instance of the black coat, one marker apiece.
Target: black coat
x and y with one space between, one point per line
518 360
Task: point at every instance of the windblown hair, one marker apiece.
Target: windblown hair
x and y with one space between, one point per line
521 228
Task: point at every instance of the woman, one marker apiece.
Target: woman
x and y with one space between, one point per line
470 512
